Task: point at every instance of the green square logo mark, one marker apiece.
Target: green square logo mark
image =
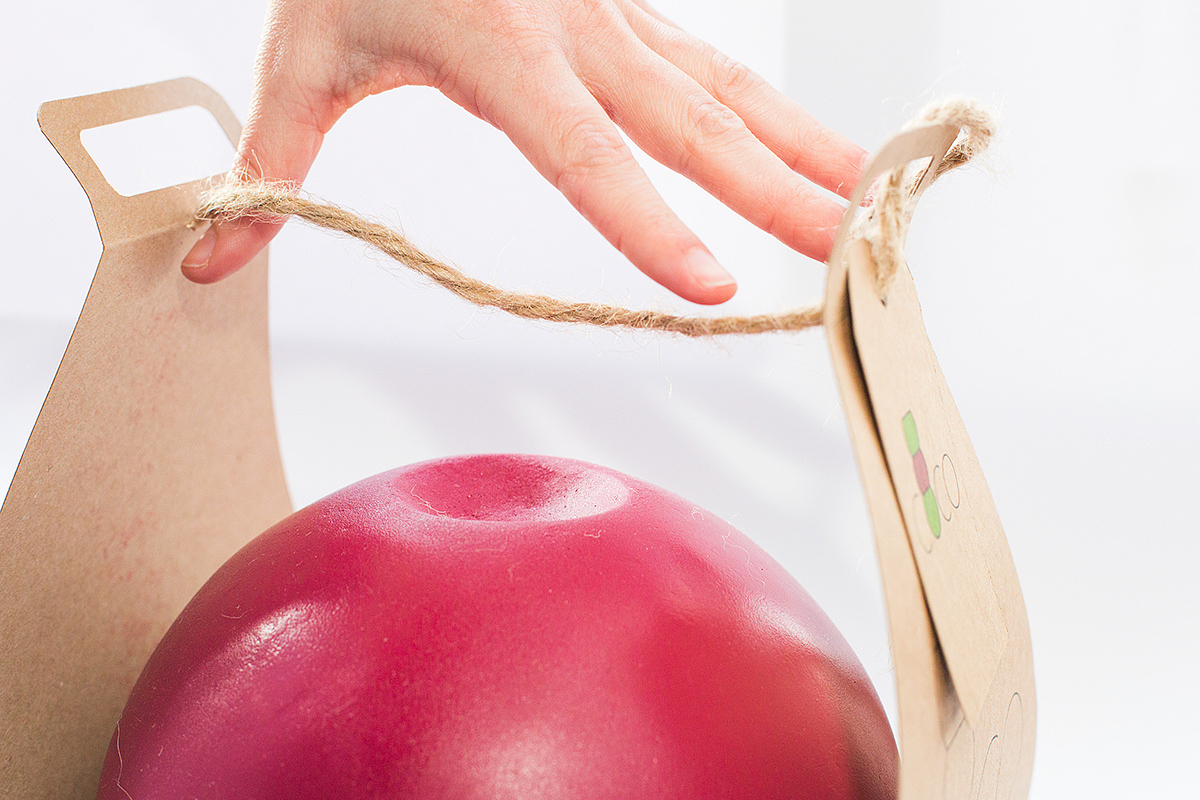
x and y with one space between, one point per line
910 434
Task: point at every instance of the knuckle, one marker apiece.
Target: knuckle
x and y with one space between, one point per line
593 14
516 30
708 125
732 78
589 147
817 138
711 123
525 41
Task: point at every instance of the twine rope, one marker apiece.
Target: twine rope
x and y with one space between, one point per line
885 222
885 225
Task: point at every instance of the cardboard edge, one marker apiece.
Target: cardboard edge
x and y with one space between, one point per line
133 377
922 142
119 217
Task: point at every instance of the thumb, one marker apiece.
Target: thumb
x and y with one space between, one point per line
279 143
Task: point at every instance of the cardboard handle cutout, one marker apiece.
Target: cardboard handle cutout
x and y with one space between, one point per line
960 636
153 460
121 217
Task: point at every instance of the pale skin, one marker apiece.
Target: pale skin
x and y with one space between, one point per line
558 77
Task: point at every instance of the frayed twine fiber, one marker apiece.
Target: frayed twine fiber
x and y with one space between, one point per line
887 219
885 226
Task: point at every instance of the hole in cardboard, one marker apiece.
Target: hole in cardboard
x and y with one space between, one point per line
160 150
914 173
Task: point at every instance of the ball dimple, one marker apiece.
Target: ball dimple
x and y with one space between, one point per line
513 488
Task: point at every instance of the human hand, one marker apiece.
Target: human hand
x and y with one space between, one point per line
558 77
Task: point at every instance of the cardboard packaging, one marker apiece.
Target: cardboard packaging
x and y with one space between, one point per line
959 631
155 458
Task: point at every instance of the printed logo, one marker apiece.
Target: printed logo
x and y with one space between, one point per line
938 491
923 486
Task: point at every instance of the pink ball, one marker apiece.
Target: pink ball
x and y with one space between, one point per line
502 627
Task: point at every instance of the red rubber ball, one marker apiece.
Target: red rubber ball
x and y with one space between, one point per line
495 628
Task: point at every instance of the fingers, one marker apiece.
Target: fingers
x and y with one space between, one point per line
683 102
568 137
279 143
677 122
808 147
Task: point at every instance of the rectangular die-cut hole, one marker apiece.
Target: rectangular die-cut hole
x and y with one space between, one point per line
159 150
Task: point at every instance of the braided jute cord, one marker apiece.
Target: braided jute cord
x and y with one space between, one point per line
885 226
887 219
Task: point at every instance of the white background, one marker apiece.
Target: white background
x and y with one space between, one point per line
1058 283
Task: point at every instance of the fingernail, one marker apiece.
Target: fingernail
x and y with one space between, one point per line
706 271
202 251
866 159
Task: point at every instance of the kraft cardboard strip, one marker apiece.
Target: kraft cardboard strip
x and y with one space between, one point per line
960 635
153 460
